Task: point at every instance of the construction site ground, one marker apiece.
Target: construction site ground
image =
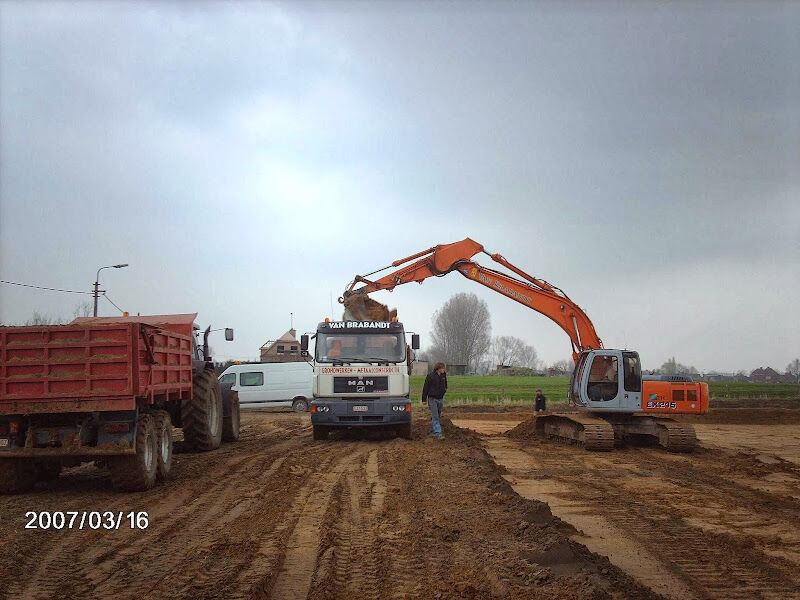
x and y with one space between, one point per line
489 512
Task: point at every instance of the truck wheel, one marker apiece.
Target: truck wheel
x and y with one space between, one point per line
300 405
163 427
201 416
404 430
321 432
231 423
137 473
16 475
47 470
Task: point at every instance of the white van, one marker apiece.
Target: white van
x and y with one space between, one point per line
270 384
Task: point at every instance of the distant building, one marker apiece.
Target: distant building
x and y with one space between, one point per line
456 369
420 367
762 375
285 349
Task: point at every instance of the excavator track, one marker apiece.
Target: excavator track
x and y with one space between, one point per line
675 436
584 430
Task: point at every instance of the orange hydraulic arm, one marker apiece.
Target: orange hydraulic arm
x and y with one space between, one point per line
533 293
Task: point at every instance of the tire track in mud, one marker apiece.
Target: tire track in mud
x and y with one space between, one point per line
655 500
299 561
181 519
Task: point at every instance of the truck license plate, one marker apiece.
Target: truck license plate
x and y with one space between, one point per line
3 442
360 408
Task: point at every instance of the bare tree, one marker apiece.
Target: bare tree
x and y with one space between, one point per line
461 330
42 319
84 309
793 369
562 366
673 367
512 351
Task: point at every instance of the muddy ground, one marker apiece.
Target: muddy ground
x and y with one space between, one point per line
278 515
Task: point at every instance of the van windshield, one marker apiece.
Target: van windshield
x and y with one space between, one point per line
360 347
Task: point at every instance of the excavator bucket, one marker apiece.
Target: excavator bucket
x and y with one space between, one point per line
360 307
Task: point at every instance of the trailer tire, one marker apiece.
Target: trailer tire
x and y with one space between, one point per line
321 432
137 473
163 427
404 431
231 423
17 475
300 405
201 416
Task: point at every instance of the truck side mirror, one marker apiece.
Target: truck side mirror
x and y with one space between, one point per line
228 334
304 344
415 341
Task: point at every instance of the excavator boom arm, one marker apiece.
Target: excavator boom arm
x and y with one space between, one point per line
532 292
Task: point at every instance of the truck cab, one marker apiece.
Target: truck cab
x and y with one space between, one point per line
360 376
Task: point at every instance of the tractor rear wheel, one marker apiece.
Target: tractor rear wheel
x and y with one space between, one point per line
201 417
137 473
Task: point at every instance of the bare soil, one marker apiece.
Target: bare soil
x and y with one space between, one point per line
278 515
722 522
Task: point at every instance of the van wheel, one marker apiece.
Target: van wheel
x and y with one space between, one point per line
137 473
321 432
163 427
300 405
231 423
201 417
17 475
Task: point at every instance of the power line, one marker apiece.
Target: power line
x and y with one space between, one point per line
40 287
112 302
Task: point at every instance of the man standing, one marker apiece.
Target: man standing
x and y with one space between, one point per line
433 393
541 402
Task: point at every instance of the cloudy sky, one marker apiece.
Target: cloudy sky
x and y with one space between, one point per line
248 159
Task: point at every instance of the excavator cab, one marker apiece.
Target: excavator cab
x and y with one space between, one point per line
607 380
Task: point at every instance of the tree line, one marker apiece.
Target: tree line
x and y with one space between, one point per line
462 335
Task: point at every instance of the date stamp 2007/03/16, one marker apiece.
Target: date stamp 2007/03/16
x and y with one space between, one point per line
87 519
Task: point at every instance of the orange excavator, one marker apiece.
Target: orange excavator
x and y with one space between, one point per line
617 403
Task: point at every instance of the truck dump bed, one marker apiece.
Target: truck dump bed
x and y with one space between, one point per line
95 364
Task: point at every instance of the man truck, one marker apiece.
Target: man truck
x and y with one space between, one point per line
360 380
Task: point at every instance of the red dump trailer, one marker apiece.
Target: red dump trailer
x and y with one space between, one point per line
109 390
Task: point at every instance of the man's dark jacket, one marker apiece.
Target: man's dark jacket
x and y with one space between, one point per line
435 386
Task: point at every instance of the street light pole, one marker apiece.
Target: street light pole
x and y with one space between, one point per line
97 282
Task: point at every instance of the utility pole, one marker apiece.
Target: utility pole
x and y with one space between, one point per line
97 283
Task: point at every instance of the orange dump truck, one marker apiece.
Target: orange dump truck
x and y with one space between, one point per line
107 390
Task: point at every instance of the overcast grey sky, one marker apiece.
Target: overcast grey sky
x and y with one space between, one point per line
247 159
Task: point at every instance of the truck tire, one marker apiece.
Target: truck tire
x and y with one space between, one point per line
163 427
137 473
17 475
47 470
404 431
300 405
201 416
321 432
231 423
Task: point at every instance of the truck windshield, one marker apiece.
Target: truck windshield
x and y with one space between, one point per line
360 347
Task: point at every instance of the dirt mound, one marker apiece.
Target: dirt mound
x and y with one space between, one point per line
360 307
524 431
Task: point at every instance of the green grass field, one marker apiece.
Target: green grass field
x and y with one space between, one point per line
478 389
